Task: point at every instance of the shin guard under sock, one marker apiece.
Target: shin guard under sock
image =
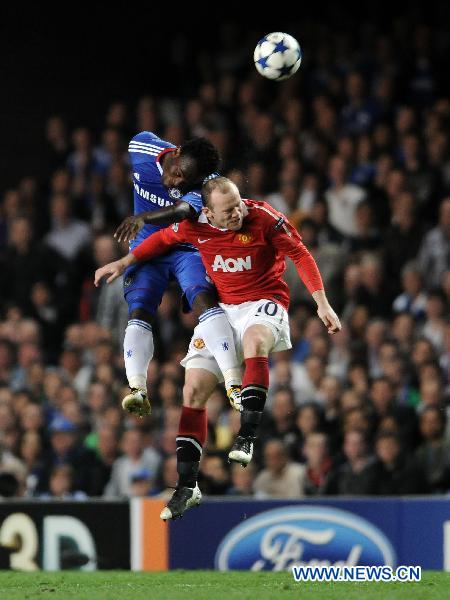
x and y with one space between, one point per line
190 441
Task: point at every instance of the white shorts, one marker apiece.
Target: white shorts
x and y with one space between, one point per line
241 317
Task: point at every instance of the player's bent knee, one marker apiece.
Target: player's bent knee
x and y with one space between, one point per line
194 396
141 314
200 298
257 342
257 346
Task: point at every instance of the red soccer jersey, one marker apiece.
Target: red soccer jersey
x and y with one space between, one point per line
247 264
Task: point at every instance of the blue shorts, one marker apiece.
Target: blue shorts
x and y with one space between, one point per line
144 283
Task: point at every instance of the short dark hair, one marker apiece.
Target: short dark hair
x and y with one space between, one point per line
204 153
222 183
9 485
387 435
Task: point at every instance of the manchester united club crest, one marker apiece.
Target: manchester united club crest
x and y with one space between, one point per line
245 238
199 344
174 193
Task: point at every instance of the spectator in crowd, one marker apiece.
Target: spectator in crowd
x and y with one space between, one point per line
32 454
342 198
142 483
435 311
397 475
216 479
280 424
106 446
68 235
357 475
384 404
9 485
307 421
280 476
61 485
318 464
402 238
435 249
242 480
65 448
433 455
168 477
111 310
135 457
412 299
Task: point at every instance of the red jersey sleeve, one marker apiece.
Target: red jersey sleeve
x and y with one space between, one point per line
160 242
286 239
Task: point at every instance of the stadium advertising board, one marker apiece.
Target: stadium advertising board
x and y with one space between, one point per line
63 535
229 534
274 535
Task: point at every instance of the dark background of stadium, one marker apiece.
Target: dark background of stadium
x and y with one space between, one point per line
74 60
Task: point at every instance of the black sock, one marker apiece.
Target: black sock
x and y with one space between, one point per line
189 452
253 401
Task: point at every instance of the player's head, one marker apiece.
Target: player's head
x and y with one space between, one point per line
223 204
189 164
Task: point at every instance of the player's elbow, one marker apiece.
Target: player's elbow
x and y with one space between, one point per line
182 211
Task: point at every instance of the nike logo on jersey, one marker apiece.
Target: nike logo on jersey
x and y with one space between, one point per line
203 241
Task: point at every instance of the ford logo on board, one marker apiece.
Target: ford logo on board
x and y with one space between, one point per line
275 540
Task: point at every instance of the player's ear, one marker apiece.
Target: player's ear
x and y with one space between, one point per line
177 151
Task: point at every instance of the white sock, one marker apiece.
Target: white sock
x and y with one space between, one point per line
216 332
137 352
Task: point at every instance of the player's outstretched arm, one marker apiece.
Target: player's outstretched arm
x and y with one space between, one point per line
156 244
130 227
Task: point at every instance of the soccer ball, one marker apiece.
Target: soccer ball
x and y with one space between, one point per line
277 56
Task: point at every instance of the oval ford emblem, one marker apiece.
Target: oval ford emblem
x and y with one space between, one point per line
275 540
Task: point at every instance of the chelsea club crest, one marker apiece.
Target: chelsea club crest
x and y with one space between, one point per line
174 193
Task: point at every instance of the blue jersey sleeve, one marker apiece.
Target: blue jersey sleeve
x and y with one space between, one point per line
194 199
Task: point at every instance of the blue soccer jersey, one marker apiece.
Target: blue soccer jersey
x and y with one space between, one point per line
149 192
145 283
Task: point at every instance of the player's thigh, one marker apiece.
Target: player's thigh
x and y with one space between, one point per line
258 340
199 357
199 384
264 328
144 285
189 271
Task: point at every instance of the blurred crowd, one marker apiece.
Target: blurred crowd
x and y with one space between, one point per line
355 150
